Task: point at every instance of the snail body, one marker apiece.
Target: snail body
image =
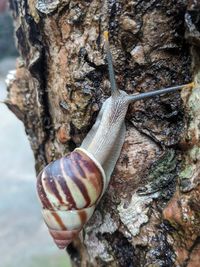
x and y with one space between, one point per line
69 188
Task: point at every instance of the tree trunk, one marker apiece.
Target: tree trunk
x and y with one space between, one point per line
149 215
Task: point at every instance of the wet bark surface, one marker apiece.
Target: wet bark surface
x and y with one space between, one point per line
149 215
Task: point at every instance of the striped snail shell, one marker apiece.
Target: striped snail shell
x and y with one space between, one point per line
70 187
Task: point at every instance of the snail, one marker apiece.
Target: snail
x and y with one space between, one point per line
69 188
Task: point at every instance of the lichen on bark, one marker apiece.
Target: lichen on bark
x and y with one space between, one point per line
149 215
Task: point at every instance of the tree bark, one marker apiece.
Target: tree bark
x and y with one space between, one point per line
149 215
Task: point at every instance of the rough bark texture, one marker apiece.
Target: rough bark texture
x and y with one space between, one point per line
149 215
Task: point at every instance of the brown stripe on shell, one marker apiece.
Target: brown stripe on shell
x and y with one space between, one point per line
46 203
69 198
52 174
71 167
76 157
91 171
42 194
82 215
63 184
64 234
58 220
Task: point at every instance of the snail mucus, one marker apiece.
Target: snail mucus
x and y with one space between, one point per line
69 188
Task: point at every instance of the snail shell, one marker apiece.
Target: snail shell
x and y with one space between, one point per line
69 189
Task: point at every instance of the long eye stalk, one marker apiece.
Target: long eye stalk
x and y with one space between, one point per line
114 89
160 92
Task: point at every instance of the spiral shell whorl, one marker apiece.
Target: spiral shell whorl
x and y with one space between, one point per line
68 189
